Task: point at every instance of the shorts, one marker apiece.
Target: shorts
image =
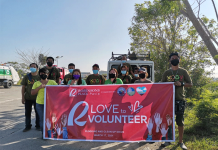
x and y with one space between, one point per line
179 112
180 120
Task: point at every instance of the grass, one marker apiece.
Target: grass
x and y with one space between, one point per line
197 135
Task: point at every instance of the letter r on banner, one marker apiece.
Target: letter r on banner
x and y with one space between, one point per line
72 112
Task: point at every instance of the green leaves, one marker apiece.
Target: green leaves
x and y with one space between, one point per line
159 28
216 57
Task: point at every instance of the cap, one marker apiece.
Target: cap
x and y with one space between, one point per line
95 65
143 69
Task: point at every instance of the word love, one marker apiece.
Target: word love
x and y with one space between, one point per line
102 108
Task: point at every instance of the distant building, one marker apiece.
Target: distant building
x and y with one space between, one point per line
85 74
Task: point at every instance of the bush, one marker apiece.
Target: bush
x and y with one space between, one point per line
207 110
19 82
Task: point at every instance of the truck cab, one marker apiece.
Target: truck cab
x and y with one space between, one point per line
63 72
134 61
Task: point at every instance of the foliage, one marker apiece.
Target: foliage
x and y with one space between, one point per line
19 82
201 117
160 28
199 79
205 107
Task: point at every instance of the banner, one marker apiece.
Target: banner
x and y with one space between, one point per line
112 113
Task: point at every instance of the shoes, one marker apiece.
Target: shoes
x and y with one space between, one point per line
26 129
182 145
38 129
165 144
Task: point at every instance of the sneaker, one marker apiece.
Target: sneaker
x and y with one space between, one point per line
182 145
26 129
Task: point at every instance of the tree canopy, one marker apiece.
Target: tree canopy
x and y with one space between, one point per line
160 28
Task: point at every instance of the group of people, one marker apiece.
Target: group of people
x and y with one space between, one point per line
33 85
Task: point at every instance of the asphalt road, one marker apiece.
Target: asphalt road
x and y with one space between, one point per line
13 138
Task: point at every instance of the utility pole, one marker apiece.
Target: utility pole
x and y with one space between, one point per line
58 57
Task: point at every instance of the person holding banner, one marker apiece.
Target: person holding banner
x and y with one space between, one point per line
181 79
143 76
124 76
68 77
38 88
76 78
95 78
113 77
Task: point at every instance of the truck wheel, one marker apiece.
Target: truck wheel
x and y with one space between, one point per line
8 85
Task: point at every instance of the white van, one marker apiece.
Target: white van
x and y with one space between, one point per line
8 76
114 62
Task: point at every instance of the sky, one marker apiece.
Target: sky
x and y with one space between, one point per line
84 32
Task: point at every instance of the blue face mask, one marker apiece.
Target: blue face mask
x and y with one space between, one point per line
123 71
123 61
33 70
70 70
136 75
95 71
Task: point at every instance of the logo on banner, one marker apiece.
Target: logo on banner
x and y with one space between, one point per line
136 107
121 91
77 92
131 91
73 92
141 90
71 119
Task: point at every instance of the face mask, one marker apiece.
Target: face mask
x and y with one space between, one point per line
76 76
111 75
123 71
43 76
123 61
136 75
95 71
175 62
33 70
49 64
142 75
70 70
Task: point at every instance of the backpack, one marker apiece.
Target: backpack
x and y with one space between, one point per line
29 75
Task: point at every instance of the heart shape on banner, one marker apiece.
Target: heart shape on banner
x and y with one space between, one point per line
141 90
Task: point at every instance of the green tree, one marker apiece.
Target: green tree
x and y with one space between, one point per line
209 37
163 30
